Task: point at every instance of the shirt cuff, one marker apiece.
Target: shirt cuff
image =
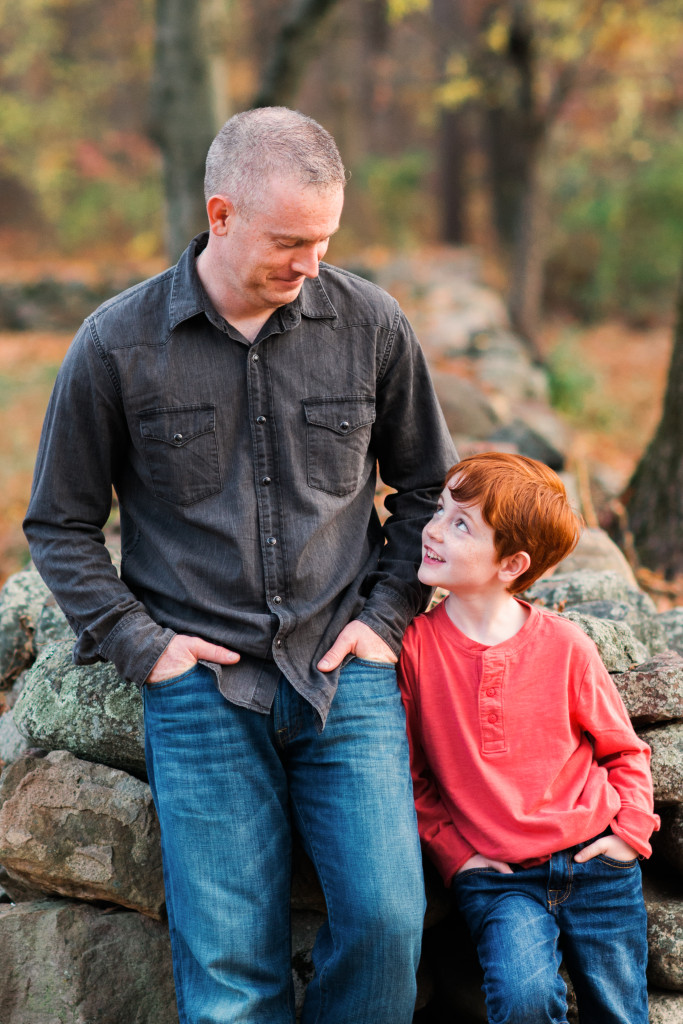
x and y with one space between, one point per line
387 614
134 646
635 827
449 851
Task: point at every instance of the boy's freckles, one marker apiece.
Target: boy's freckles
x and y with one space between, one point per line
458 547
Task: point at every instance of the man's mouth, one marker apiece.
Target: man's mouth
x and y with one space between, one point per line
431 556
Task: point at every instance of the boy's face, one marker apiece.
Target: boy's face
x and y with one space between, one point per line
458 550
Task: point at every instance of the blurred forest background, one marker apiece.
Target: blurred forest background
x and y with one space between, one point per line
545 134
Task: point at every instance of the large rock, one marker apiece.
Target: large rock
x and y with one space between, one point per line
467 411
65 962
565 590
664 902
87 709
666 1007
79 829
672 620
653 691
617 644
597 552
666 743
21 601
12 743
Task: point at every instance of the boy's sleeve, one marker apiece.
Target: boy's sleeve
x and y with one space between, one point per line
443 842
622 753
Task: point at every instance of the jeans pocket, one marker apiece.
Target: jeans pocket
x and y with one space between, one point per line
181 452
614 863
338 433
172 680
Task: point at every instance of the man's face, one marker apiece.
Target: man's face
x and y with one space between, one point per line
458 548
267 255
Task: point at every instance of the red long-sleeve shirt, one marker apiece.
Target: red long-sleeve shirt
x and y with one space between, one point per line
520 749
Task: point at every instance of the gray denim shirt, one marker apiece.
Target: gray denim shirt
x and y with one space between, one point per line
245 476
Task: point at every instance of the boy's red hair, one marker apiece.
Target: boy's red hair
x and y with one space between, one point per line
525 504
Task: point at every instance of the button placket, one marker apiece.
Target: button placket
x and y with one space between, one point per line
267 497
491 717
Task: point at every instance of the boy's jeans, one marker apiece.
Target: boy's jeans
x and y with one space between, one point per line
228 784
591 915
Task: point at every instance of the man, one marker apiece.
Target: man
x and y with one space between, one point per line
238 404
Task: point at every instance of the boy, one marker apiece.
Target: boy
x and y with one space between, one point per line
533 792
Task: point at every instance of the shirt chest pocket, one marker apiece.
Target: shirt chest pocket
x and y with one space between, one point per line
181 452
338 433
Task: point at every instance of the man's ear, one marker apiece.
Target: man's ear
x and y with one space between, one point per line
219 210
513 566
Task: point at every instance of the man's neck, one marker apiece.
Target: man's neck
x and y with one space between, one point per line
487 620
239 315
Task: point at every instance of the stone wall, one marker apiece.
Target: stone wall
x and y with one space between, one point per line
82 923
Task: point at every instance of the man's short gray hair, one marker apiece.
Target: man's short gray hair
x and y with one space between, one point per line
258 144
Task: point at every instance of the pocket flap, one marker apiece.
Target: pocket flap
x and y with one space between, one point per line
341 415
177 426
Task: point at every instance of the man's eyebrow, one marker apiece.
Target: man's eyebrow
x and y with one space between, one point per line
299 238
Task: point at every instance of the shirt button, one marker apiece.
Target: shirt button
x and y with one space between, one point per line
277 599
344 425
271 541
490 692
266 480
278 643
493 718
177 438
260 420
255 357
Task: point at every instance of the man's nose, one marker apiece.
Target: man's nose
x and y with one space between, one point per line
307 262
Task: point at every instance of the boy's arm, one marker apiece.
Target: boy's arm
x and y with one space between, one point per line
446 847
622 753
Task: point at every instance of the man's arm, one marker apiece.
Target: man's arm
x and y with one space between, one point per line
415 451
84 444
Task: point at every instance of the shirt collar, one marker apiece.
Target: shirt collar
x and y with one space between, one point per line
188 297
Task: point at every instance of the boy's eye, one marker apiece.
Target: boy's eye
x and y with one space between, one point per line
460 524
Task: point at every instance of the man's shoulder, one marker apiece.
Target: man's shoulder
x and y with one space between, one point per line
130 316
357 299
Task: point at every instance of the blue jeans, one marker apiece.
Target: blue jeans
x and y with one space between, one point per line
591 915
229 784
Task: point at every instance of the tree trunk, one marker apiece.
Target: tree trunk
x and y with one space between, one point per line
182 122
291 51
525 300
654 501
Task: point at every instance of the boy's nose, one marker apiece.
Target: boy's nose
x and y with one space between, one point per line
432 528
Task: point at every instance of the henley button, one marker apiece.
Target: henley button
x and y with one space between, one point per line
493 718
260 419
266 480
277 599
490 692
271 541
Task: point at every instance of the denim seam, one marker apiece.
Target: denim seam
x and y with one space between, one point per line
321 973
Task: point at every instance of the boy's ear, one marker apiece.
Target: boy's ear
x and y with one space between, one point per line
512 566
